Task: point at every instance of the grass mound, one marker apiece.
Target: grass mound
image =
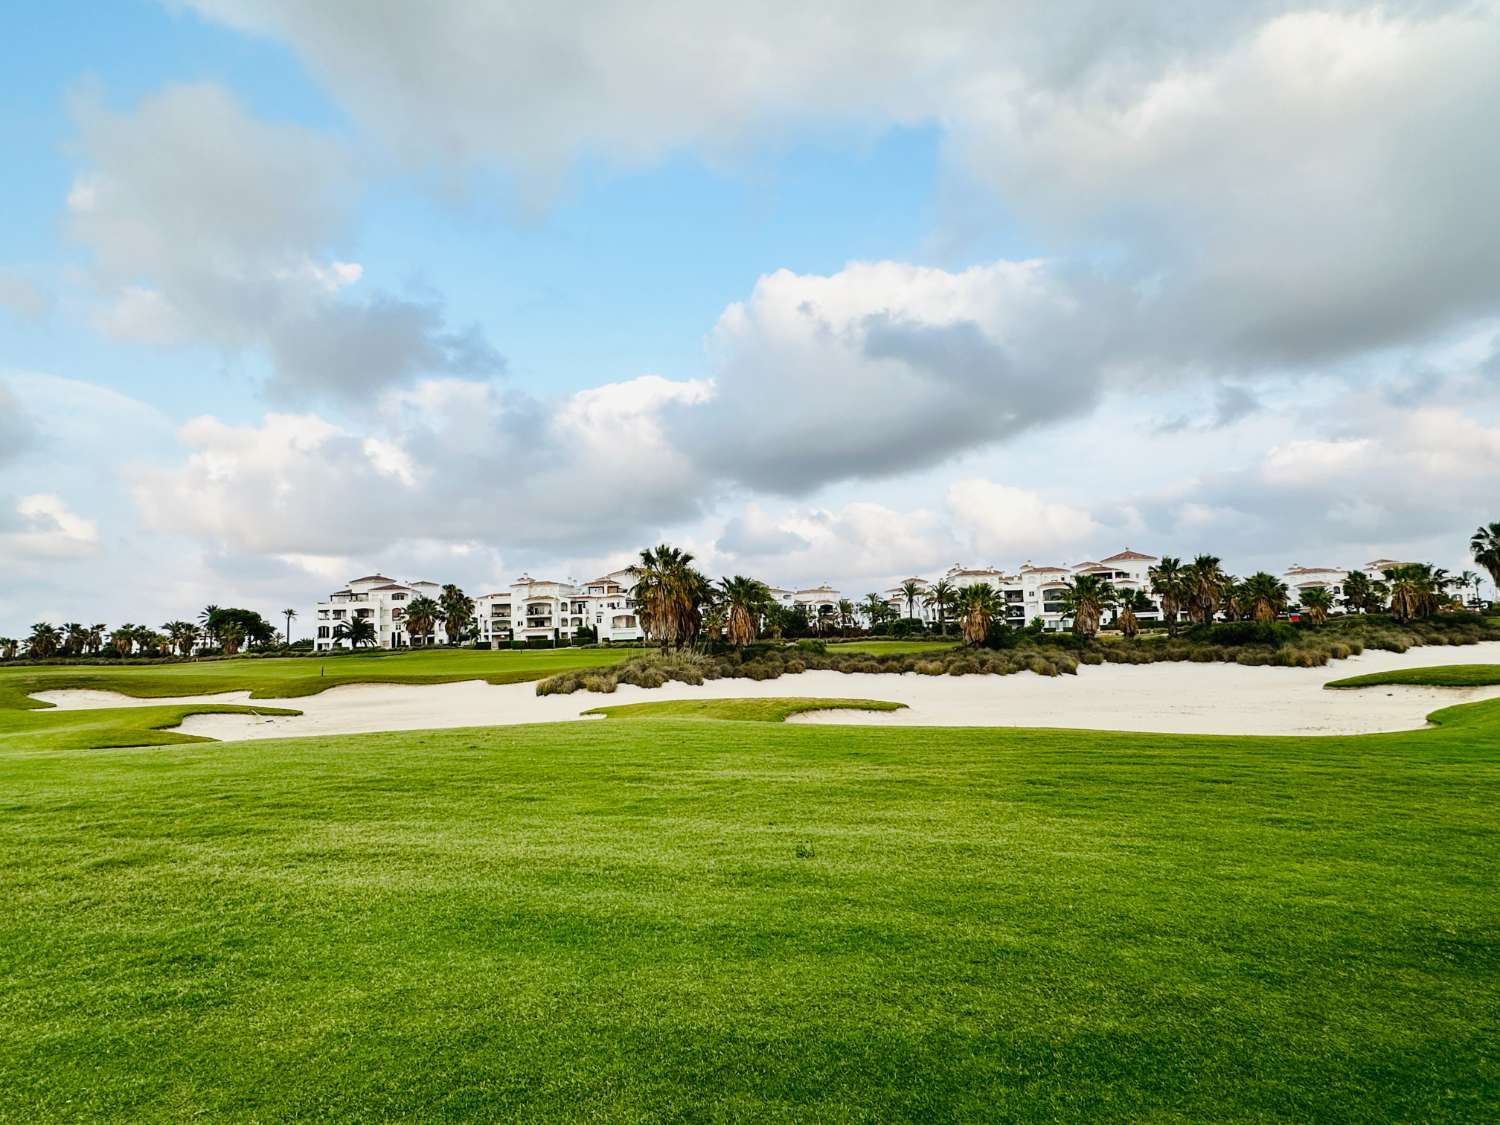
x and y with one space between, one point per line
741 710
1447 675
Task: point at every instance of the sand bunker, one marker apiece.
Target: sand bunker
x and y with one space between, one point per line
1169 698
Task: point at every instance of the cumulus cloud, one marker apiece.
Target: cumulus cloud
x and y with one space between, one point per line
42 527
885 367
1007 522
209 225
1276 175
448 461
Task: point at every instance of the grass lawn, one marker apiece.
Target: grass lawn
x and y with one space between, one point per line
899 648
699 920
740 710
30 723
1450 675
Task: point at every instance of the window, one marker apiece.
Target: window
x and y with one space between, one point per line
322 631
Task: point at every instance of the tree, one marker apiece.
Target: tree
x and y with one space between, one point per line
422 615
207 618
1359 592
231 635
1204 581
1085 599
940 596
875 608
1415 590
75 636
669 595
846 615
44 640
1485 547
1132 602
774 619
289 614
457 610
357 631
122 640
1317 603
745 602
911 590
1169 583
977 606
182 635
8 647
1262 597
1468 580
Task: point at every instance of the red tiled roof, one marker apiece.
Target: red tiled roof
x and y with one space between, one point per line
1127 555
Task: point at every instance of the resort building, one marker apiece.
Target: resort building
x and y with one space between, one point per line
533 610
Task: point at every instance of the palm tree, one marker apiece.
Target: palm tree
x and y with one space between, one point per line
1169 584
122 640
1132 602
978 605
1414 590
1085 599
422 614
669 595
875 608
1204 581
1263 597
1485 547
94 637
1232 599
1468 580
457 609
846 615
1359 592
911 589
825 619
230 636
74 636
44 640
289 614
357 631
940 596
182 635
8 647
745 601
208 618
1317 603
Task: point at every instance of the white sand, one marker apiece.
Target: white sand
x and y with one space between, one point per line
1169 698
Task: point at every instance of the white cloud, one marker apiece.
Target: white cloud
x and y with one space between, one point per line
1006 522
209 225
43 527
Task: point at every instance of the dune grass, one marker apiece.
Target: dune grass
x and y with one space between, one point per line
740 710
693 920
1448 675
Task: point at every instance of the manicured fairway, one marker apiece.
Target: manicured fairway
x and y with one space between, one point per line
697 920
1449 675
878 647
29 723
740 710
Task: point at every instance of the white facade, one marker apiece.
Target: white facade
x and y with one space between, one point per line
533 610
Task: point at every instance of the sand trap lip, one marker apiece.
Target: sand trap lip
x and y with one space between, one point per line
1176 698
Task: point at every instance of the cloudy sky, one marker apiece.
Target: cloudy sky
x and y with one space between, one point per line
293 290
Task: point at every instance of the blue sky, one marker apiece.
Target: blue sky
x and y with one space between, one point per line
836 293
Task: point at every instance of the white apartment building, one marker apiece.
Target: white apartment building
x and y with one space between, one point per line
1331 578
375 598
532 610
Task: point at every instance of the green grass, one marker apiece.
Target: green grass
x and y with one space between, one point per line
879 647
740 710
26 722
693 920
1449 675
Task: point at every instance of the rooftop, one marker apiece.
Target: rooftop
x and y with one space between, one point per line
1127 555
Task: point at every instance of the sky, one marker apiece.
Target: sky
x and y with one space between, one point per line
293 291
